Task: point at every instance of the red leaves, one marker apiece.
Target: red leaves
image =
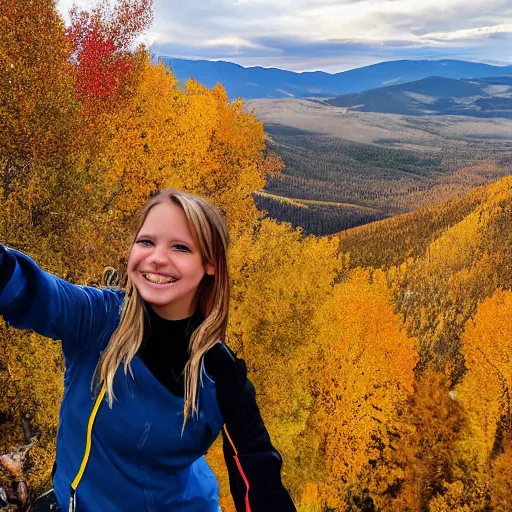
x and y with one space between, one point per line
103 40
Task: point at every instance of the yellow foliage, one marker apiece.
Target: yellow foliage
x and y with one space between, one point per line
455 248
501 485
192 139
31 388
363 372
431 426
451 501
310 494
486 346
438 292
279 280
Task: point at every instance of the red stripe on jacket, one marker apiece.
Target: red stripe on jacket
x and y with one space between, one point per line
239 466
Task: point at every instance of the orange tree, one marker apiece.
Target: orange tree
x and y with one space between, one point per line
485 393
362 373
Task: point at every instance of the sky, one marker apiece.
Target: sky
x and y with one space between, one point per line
328 35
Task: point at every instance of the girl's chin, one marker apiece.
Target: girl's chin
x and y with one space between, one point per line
170 310
157 295
158 302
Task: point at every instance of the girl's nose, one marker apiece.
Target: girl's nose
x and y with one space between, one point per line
159 256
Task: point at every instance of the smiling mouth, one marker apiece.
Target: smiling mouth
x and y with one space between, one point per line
158 279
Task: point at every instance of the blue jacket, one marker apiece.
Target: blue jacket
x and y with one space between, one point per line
138 460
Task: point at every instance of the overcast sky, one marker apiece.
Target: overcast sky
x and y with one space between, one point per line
329 35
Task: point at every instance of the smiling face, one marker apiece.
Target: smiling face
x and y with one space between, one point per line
165 263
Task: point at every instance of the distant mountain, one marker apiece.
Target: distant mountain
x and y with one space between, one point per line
258 82
478 97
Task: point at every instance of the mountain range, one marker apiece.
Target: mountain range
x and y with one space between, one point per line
258 82
476 97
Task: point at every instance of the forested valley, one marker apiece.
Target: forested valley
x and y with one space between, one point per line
344 169
380 355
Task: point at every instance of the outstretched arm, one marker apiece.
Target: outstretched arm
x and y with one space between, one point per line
254 465
33 299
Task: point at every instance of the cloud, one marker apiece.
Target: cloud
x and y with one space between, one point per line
331 34
232 41
471 34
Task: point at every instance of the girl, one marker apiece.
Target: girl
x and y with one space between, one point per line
134 438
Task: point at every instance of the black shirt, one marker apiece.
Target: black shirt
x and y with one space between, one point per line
164 348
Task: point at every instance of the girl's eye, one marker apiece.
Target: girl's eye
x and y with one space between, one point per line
145 242
182 248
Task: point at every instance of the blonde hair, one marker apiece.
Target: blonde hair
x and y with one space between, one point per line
208 227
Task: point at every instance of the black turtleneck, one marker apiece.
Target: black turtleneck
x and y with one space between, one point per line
164 348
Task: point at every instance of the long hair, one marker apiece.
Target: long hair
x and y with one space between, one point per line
208 227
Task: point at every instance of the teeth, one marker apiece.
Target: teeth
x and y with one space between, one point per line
155 278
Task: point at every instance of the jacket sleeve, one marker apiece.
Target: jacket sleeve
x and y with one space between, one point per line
33 299
254 465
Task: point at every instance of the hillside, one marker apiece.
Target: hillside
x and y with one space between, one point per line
442 262
436 96
258 82
391 241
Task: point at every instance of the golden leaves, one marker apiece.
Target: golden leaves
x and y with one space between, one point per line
190 138
487 349
364 371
